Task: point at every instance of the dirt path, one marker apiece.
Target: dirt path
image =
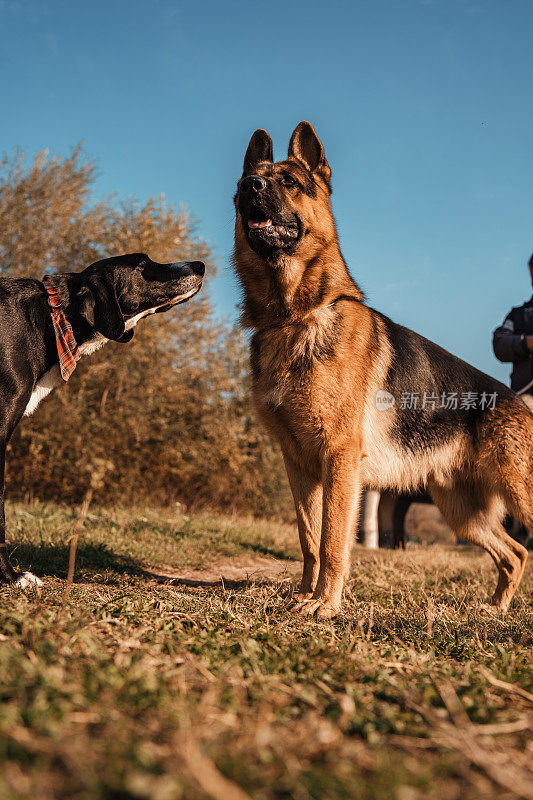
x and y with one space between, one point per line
229 572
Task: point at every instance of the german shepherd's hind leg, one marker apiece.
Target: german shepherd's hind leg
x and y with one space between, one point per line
510 568
307 494
477 517
518 503
341 500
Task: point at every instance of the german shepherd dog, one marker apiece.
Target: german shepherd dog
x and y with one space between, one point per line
334 382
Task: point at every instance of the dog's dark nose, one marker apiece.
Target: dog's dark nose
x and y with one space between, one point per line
253 183
198 268
187 268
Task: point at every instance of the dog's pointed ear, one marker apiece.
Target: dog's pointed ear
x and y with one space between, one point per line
98 305
259 149
307 148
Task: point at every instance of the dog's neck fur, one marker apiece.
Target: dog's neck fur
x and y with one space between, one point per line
67 287
275 292
87 340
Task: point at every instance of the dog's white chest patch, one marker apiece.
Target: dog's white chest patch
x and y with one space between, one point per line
53 378
43 387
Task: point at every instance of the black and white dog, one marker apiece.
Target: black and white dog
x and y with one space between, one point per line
46 327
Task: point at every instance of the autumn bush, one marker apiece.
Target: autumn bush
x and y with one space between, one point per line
166 418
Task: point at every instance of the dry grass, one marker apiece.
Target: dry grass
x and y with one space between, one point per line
143 687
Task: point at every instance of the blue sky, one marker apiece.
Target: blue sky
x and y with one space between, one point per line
424 108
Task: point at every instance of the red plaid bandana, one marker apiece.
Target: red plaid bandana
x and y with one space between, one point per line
67 349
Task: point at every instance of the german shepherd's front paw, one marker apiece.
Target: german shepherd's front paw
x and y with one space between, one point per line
297 599
317 607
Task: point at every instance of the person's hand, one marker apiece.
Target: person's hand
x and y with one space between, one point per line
529 342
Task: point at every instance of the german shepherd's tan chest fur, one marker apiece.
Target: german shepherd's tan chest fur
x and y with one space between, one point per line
305 389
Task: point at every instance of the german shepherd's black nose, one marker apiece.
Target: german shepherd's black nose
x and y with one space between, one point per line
253 183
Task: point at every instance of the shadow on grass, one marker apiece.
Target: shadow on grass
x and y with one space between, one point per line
48 559
281 555
95 559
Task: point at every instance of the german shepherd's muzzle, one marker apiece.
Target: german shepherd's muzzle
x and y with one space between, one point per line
332 380
270 226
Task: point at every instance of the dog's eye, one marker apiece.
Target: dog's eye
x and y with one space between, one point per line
287 180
